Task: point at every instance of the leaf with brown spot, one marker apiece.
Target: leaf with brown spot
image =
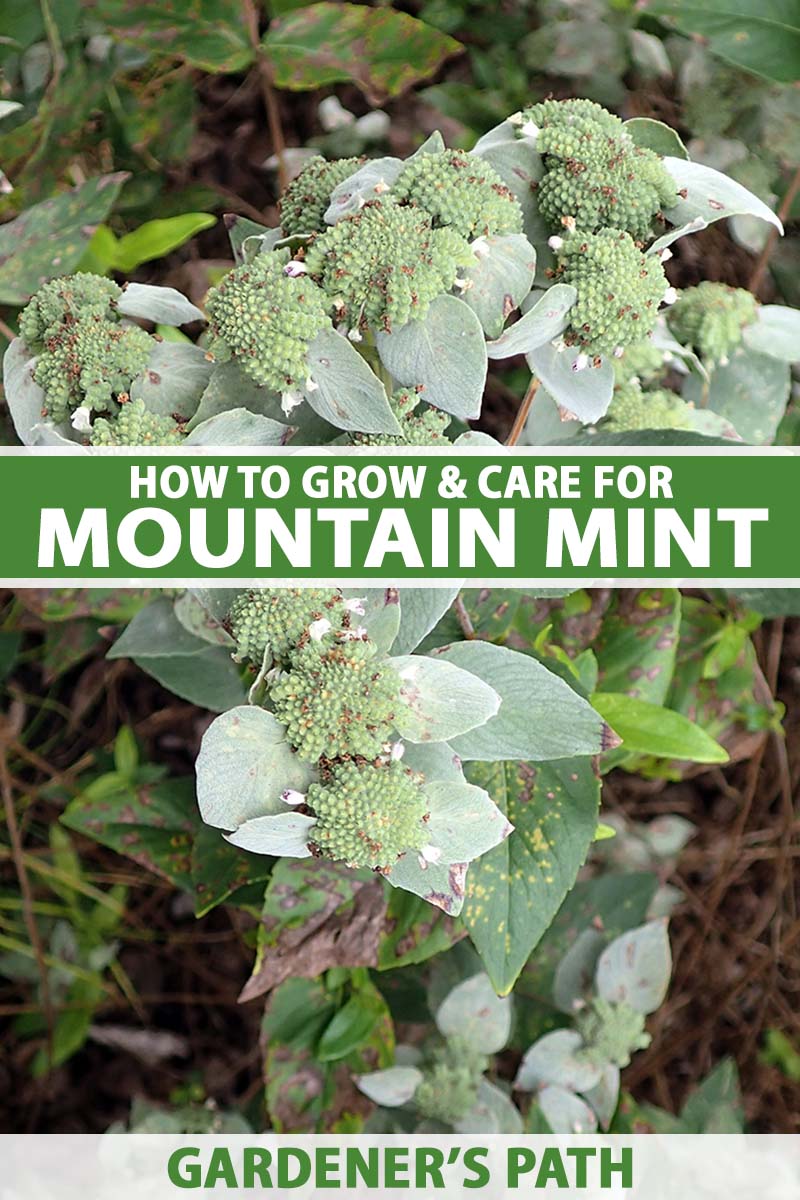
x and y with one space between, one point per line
316 915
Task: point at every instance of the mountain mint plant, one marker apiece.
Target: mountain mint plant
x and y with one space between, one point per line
391 279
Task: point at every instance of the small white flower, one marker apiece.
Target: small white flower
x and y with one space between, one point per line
80 419
619 351
462 284
354 335
356 605
723 362
397 751
293 269
428 855
670 295
559 345
290 400
290 796
531 130
555 242
516 119
568 223
666 254
318 629
480 247
354 635
581 362
311 385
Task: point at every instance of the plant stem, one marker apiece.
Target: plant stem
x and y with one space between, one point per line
760 269
460 609
522 413
271 106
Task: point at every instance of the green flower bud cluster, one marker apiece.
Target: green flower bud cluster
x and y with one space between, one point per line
642 361
710 318
611 1032
265 318
337 699
632 408
86 355
368 815
136 426
421 424
382 266
595 176
303 204
460 191
278 619
619 290
449 1088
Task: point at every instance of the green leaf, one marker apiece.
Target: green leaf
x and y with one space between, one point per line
650 729
244 765
352 1025
209 34
414 931
156 238
50 238
348 393
219 869
153 824
583 394
420 610
565 1112
540 324
520 167
163 305
540 716
174 380
656 136
23 396
500 280
391 1088
381 50
445 354
515 891
638 642
238 427
762 36
556 1060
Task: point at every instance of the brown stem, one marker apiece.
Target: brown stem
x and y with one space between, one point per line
522 414
460 609
27 901
264 68
760 269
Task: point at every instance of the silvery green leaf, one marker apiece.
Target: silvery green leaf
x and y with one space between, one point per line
381 617
680 357
464 821
556 1060
666 240
196 619
540 324
751 391
248 238
238 427
48 434
440 699
492 1112
649 55
155 632
444 354
348 394
566 1112
575 972
604 1096
244 765
545 425
441 884
24 397
776 332
474 1011
586 394
500 280
710 195
433 144
420 610
174 379
229 387
655 135
7 107
635 969
162 305
392 1087
520 166
216 601
434 760
352 193
286 834
540 716
474 438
